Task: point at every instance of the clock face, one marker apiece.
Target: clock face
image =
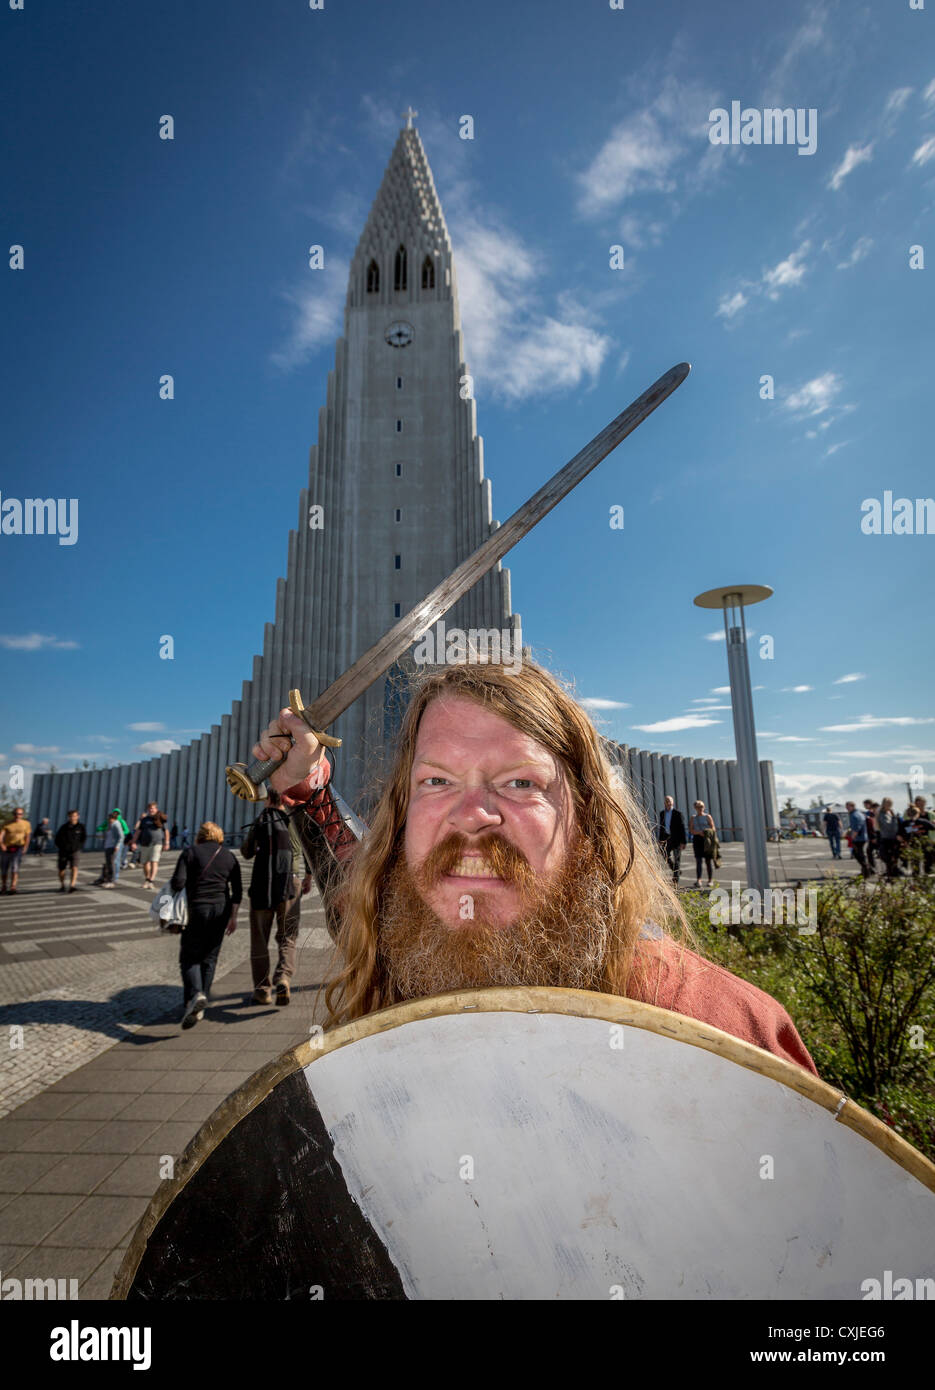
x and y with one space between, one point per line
399 334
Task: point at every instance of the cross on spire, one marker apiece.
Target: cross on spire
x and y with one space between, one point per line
408 115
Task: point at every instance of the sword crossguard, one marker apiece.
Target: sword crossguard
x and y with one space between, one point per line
247 782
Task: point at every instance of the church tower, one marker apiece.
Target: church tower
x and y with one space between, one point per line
398 467
396 499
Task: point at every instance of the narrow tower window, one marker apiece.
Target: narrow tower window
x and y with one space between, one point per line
399 426
399 470
397 611
399 271
428 274
399 383
397 562
399 515
373 278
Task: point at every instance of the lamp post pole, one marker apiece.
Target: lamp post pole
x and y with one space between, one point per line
733 602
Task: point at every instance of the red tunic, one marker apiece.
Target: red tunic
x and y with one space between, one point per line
684 982
677 979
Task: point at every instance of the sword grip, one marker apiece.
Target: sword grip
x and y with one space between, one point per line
247 781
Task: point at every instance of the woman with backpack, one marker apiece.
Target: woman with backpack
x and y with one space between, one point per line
210 874
704 839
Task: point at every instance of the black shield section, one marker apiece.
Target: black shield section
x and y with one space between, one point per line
268 1216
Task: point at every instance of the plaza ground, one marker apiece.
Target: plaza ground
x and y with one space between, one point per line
105 1086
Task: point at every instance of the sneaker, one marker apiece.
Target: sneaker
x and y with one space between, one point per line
282 993
195 1010
63 889
108 885
262 996
73 888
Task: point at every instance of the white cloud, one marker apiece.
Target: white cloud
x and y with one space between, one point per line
925 152
317 313
157 746
912 754
725 689
636 157
928 96
669 726
517 349
154 728
595 702
707 699
791 271
897 100
731 304
719 636
869 721
34 642
795 689
36 748
856 154
706 709
862 246
832 449
815 396
792 738
850 678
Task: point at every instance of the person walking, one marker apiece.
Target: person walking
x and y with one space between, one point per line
858 827
186 837
151 835
671 836
174 836
210 874
870 810
113 839
276 891
14 843
889 830
916 832
699 823
69 841
928 839
833 831
42 836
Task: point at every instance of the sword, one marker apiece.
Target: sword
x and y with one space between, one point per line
247 782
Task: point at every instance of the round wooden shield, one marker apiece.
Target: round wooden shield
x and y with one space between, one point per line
535 1144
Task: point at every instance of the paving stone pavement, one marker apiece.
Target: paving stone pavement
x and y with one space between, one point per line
106 1087
106 1090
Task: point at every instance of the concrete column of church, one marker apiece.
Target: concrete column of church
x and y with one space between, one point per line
308 548
266 679
37 800
201 778
134 810
287 675
714 794
339 447
224 797
191 781
770 804
162 781
172 785
99 799
279 682
681 788
636 775
123 786
736 802
729 816
662 780
106 786
59 793
182 777
647 789
211 807
333 515
701 781
688 771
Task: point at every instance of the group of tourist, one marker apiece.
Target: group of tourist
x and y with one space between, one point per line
210 874
672 838
879 830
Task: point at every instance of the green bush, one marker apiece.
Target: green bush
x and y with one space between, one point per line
860 990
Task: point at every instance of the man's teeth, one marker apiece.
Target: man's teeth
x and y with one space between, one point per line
473 868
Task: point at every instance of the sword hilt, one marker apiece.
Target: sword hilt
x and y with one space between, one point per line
247 781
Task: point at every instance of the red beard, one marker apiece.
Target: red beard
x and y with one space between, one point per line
560 938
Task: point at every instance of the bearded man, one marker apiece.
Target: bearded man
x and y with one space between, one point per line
503 852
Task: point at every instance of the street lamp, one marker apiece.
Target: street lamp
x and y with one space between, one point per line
733 601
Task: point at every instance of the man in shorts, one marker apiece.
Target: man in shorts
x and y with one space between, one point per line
151 835
69 841
14 842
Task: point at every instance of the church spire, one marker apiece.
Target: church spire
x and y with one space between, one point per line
404 247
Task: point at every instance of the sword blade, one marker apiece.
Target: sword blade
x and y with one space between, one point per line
342 693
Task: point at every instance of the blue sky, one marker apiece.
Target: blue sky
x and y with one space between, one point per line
591 129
